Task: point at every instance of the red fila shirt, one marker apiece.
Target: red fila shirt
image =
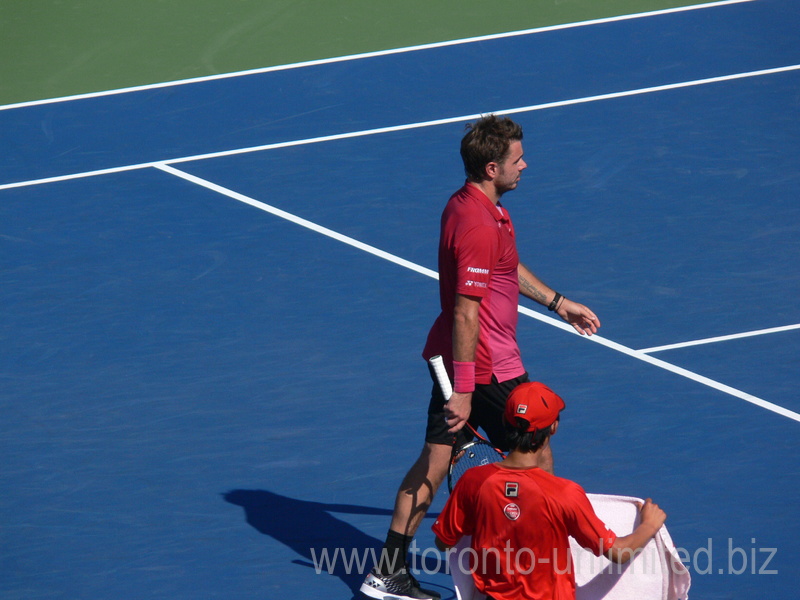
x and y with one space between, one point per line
520 521
478 257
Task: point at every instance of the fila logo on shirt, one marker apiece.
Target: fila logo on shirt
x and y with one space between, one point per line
512 489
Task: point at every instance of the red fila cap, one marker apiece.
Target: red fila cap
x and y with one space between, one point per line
534 402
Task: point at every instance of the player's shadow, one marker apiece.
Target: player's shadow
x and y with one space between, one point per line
310 529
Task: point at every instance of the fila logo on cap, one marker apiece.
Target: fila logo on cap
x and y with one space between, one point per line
522 409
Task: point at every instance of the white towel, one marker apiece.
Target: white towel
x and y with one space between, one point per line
656 573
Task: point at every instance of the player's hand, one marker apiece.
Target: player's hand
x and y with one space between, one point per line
457 411
579 316
652 515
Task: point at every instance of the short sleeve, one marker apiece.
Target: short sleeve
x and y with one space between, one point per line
582 522
476 255
455 520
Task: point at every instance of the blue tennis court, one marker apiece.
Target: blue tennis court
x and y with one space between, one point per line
215 294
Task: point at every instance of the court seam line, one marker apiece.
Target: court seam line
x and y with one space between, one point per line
409 126
721 338
372 54
780 410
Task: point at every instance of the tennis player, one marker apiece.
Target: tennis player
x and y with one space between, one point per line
520 516
480 280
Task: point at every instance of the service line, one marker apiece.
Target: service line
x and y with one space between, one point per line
721 338
406 126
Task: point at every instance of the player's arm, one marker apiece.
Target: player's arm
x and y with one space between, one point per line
579 316
624 548
532 287
465 340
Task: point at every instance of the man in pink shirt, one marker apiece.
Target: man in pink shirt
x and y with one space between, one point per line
480 279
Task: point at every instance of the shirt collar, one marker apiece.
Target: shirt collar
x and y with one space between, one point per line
477 194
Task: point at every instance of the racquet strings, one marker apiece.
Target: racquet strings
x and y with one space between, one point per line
471 454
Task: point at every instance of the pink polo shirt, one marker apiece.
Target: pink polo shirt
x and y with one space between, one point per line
478 257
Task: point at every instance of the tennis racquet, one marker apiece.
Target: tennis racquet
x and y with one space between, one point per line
473 453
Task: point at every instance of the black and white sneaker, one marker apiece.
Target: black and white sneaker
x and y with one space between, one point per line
400 586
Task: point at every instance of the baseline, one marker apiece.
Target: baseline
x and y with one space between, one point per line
324 61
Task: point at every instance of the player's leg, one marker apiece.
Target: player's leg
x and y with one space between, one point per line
391 576
414 496
419 488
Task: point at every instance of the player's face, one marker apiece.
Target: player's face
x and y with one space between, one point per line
510 170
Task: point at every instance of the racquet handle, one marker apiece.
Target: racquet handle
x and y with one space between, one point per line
437 362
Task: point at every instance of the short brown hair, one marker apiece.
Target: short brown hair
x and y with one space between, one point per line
487 140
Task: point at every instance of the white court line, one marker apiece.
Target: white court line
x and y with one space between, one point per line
433 274
670 367
364 55
297 220
721 338
406 127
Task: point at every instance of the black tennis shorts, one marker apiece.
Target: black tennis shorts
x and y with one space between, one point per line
488 404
